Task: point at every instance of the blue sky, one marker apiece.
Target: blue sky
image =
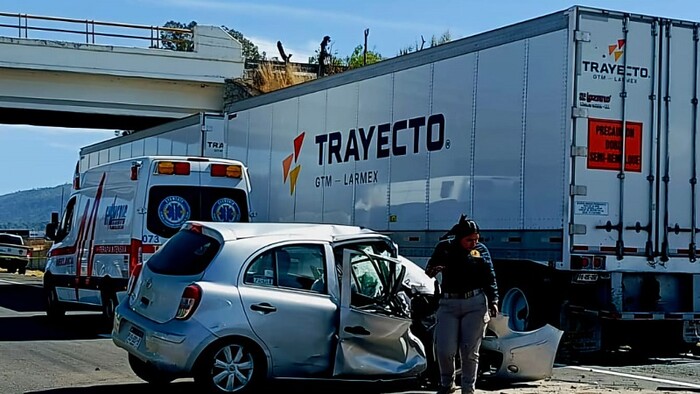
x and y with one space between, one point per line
41 156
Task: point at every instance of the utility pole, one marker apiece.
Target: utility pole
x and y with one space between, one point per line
364 54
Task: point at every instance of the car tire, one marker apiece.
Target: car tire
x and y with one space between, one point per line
147 372
230 366
11 270
22 270
54 309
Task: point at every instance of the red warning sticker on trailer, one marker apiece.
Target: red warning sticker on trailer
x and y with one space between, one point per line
605 145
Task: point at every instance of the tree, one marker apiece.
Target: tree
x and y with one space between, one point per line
356 59
178 41
434 41
250 50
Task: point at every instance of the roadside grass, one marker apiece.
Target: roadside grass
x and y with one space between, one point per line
35 273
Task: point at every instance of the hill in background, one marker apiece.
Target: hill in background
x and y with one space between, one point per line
31 209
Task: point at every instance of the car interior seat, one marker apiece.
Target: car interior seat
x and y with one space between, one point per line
284 263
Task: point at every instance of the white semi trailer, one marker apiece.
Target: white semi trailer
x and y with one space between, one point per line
520 128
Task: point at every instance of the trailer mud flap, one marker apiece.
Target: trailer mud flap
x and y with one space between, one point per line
691 331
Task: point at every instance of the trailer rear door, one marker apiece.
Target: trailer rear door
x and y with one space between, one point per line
637 74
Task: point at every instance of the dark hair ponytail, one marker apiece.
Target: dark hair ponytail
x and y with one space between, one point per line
463 228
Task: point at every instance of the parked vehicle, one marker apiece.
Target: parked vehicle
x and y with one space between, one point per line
14 254
120 213
520 128
236 304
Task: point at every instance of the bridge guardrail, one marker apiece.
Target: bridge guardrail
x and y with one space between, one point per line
156 36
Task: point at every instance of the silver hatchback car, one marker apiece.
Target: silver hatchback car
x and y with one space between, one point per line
236 304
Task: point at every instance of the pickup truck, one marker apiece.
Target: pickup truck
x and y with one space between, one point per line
14 254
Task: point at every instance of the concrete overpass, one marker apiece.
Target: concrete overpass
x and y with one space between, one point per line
47 82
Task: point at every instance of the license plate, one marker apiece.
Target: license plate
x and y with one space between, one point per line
586 277
134 337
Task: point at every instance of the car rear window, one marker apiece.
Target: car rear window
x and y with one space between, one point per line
8 239
186 253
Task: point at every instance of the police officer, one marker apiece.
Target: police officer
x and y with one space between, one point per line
469 297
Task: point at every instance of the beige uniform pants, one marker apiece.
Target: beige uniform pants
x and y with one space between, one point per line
461 324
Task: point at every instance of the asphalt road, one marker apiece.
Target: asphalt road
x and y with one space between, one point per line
78 357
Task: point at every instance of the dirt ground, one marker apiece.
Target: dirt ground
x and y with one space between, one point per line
664 377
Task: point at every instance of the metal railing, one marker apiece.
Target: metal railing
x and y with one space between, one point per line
156 36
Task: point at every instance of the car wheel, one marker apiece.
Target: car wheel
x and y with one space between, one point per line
11 270
147 372
54 309
231 366
22 270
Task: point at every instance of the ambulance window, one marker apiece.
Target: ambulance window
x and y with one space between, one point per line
66 221
224 205
169 207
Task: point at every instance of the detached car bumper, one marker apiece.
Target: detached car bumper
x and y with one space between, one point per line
527 355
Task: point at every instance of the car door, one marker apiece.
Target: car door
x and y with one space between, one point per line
296 323
374 326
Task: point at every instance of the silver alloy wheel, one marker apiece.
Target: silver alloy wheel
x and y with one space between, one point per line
515 305
233 368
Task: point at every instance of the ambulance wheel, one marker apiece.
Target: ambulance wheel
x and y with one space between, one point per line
54 309
231 365
147 372
109 304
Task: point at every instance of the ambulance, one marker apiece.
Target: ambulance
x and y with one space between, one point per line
119 213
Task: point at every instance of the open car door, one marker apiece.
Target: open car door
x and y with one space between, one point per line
374 337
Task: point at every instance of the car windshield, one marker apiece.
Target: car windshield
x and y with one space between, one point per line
186 253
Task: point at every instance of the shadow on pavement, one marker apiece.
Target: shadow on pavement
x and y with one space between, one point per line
40 328
286 387
22 298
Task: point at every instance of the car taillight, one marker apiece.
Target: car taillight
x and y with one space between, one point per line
133 277
29 254
189 302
